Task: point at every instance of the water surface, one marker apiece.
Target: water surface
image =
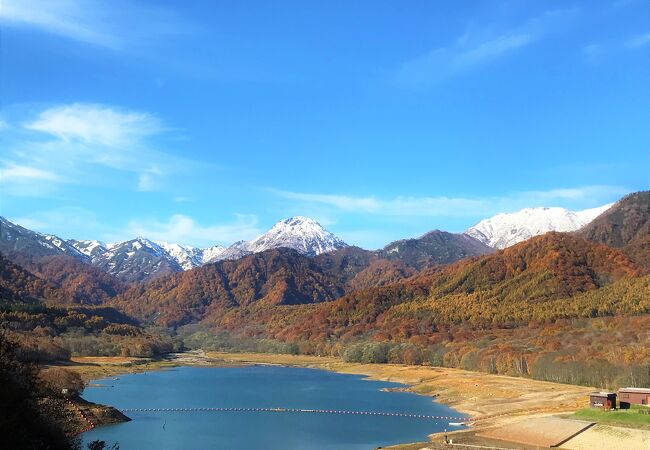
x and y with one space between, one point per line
260 386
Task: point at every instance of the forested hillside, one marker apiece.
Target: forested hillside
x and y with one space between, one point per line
502 312
45 321
626 225
554 306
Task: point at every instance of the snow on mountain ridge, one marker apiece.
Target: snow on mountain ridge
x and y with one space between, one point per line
13 233
300 233
187 257
506 229
210 254
89 247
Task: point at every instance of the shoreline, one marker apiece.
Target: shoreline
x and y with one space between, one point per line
475 394
492 400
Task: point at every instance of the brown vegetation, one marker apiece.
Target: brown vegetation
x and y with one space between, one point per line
625 225
528 310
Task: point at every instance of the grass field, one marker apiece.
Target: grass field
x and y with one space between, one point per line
621 417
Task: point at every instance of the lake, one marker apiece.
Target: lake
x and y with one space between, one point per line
267 387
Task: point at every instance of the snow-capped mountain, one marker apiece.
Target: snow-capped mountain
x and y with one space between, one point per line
136 260
211 254
14 238
190 257
237 250
187 257
300 233
90 248
141 259
506 229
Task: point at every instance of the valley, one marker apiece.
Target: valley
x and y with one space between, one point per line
488 331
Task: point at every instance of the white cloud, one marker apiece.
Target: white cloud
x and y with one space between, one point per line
95 124
86 143
458 206
148 180
70 18
183 229
11 172
346 203
399 206
473 49
114 24
492 49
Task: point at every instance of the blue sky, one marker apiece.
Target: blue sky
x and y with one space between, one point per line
205 122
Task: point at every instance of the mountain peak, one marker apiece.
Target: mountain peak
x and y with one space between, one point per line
298 219
300 233
506 229
298 222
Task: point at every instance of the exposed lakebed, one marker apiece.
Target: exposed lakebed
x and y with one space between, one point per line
261 387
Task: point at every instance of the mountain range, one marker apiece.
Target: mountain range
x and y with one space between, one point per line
142 259
350 292
554 306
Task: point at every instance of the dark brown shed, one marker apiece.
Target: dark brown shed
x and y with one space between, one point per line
602 399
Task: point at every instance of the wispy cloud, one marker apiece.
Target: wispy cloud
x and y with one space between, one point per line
13 172
639 41
344 202
66 222
95 124
64 17
183 229
148 180
114 24
599 51
25 180
458 206
474 49
80 223
79 141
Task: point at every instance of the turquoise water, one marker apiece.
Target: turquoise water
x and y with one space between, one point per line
260 386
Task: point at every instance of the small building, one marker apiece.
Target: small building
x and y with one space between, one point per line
633 396
606 400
